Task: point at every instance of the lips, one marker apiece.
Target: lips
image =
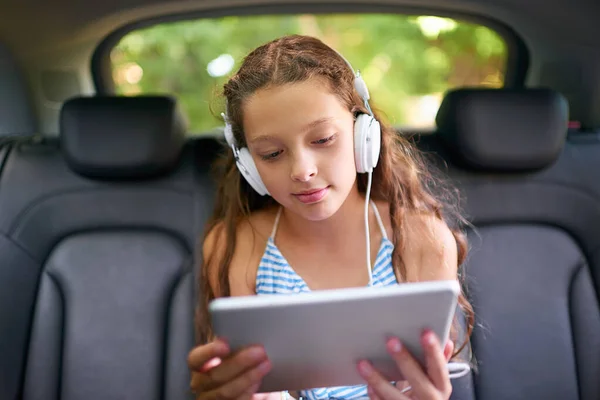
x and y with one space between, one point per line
312 195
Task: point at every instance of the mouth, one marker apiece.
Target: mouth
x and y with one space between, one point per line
311 195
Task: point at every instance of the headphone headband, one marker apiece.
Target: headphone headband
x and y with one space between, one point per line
359 83
228 131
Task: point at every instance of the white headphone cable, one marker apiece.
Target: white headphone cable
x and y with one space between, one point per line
455 369
367 196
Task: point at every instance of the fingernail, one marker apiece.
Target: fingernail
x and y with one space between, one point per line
264 367
394 345
257 353
365 368
430 338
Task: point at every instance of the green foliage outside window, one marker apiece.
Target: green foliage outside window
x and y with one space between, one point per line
408 62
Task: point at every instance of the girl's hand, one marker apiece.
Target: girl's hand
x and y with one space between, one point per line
218 374
433 383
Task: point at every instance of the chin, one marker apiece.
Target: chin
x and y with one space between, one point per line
316 212
317 215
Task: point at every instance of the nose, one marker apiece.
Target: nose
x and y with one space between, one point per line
303 168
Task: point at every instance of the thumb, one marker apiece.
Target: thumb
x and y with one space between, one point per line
201 355
210 364
448 349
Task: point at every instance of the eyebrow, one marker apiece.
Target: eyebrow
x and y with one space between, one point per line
261 138
307 127
316 123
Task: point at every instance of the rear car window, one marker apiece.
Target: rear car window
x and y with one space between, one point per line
407 61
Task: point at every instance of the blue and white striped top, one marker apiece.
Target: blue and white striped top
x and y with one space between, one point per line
276 276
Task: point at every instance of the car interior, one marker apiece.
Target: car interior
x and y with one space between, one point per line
104 195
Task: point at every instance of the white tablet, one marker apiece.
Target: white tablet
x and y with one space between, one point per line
316 339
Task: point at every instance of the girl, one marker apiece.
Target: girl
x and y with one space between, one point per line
294 221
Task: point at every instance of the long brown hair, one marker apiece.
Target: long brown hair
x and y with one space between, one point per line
401 177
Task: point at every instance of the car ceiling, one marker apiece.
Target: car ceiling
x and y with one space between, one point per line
61 35
67 21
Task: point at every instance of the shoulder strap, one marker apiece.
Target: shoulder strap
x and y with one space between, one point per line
276 223
379 221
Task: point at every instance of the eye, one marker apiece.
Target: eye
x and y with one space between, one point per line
270 156
325 140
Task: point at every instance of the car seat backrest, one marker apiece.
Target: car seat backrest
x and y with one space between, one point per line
533 269
97 238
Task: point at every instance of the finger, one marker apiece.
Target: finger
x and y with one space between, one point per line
403 386
250 394
371 393
436 367
448 349
202 354
195 384
412 371
230 368
242 386
210 364
382 388
198 377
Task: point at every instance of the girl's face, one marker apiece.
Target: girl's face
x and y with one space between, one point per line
301 138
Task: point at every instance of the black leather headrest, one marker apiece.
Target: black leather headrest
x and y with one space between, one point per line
121 137
504 129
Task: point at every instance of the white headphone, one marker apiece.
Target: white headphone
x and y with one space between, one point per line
367 141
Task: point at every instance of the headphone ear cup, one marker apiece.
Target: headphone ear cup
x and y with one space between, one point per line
367 143
246 166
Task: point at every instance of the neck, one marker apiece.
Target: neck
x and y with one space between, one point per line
334 230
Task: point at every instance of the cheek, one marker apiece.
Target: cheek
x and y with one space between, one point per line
274 176
341 161
345 172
